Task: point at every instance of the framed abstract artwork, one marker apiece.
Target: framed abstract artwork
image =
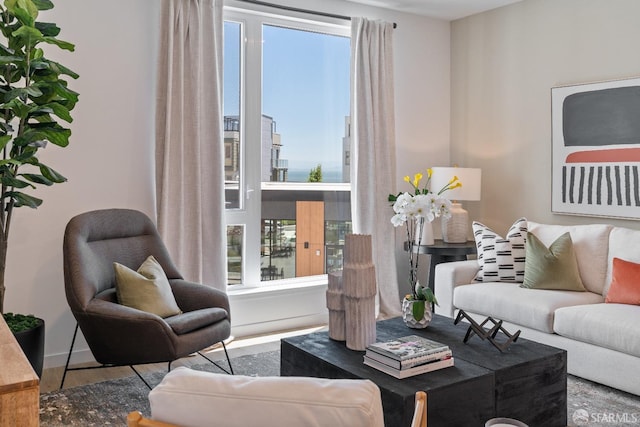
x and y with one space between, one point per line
596 149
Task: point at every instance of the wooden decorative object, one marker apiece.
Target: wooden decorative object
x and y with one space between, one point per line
335 304
19 384
359 286
478 329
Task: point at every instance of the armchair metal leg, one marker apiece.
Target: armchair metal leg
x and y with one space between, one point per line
66 366
140 376
73 341
230 371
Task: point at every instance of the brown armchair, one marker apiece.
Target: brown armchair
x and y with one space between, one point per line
93 241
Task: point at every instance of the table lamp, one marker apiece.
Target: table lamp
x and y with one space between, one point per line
454 229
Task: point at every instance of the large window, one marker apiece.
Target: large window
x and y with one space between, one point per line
286 108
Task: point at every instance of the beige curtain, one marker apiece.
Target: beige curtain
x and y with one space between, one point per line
373 150
189 139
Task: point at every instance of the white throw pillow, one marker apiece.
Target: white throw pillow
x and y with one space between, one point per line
501 259
196 398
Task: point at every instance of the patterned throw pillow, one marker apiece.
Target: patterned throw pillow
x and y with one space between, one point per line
501 259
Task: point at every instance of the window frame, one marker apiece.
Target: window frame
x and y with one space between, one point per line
248 214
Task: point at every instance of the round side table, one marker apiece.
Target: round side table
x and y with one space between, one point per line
442 251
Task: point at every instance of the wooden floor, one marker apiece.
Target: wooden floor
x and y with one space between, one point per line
51 377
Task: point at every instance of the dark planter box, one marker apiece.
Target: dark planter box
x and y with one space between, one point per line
32 343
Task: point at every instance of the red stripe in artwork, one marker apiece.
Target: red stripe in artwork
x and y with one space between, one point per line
605 156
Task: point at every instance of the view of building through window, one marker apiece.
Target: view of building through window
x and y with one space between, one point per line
304 148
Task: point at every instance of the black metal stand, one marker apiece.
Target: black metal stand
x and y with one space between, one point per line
73 341
478 329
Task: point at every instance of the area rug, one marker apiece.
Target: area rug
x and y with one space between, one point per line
108 403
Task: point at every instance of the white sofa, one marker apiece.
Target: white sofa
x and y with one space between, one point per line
602 339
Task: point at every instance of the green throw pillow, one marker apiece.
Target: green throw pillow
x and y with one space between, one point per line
147 289
554 267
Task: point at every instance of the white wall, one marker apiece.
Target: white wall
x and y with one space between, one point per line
504 64
110 163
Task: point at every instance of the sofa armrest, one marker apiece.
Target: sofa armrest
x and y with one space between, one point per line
448 275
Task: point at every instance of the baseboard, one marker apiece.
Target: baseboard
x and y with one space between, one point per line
279 325
59 359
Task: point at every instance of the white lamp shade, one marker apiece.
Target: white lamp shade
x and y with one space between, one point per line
469 177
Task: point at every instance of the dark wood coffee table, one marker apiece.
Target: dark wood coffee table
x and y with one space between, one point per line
527 382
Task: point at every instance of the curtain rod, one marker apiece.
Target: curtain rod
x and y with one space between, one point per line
297 9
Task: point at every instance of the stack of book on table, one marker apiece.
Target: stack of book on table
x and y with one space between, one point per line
408 356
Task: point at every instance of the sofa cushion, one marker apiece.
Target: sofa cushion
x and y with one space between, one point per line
552 267
501 259
195 398
613 326
625 283
624 243
533 308
196 319
590 243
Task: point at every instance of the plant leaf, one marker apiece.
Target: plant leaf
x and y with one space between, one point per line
60 43
24 10
21 199
48 29
10 181
28 35
47 131
418 310
43 4
4 140
51 174
38 179
59 110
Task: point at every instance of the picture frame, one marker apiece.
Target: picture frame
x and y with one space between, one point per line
595 141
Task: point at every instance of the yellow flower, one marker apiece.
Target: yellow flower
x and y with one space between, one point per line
429 173
416 179
407 179
454 179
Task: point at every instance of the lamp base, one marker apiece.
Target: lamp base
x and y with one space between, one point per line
454 229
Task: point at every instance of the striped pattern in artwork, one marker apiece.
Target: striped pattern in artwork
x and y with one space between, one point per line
610 185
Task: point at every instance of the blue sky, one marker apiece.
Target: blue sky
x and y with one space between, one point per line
305 90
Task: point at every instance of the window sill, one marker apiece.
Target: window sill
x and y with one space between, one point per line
278 286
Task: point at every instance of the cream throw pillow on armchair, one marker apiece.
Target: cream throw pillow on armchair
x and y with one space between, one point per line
147 289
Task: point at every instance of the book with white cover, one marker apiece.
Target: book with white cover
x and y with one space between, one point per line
408 347
404 373
408 363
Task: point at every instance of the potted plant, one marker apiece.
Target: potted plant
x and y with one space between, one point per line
34 97
415 210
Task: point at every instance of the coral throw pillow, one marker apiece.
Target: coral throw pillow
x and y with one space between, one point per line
501 259
625 283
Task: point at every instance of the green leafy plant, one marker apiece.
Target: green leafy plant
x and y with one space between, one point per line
421 296
21 322
315 174
34 97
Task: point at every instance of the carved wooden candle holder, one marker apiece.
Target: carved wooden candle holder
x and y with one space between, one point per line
359 287
335 304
